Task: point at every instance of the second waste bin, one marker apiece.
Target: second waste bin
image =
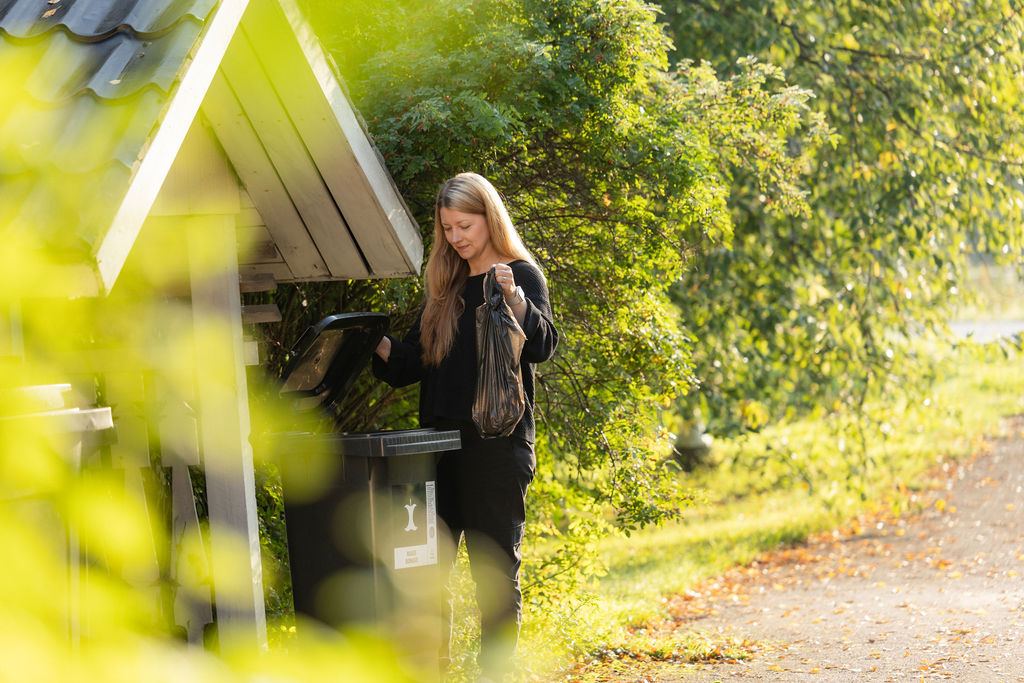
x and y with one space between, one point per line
359 507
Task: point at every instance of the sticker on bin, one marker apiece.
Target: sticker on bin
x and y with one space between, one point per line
415 531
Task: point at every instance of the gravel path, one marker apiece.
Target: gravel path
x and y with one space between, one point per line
937 596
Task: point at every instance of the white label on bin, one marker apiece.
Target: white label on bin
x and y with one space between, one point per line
416 530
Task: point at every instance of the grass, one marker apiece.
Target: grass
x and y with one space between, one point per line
752 504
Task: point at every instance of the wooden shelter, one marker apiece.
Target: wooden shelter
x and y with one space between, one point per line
134 132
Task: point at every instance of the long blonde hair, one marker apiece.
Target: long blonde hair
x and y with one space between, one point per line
446 271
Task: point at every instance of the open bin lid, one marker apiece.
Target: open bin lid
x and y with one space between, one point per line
328 357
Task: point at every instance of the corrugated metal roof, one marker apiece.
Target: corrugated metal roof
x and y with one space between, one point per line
96 20
96 99
113 68
47 203
84 84
80 136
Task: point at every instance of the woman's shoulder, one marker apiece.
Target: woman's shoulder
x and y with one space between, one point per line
523 267
529 277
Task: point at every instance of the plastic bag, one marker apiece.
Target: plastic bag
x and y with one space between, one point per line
499 402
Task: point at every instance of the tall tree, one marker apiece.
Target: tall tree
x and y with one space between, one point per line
813 314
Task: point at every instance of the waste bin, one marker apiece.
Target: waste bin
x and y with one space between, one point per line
359 507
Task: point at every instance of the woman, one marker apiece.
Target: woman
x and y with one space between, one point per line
481 488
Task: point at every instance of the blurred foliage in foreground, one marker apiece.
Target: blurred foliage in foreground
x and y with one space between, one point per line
629 175
85 591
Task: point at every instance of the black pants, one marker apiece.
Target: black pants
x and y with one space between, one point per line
481 495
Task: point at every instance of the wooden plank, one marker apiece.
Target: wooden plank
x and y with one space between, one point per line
250 217
113 250
39 397
259 251
289 156
113 359
190 565
224 429
124 392
159 256
251 234
13 339
69 420
252 352
279 271
179 432
263 186
351 167
260 313
255 245
245 199
257 283
144 573
201 181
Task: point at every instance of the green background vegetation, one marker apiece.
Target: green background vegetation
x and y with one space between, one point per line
754 210
761 211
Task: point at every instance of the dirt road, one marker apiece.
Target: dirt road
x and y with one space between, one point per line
935 596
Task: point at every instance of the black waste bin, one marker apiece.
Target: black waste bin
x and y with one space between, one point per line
359 507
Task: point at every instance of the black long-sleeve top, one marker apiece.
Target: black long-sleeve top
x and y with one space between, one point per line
446 391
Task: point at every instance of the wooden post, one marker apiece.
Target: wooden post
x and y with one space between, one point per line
224 429
190 565
12 344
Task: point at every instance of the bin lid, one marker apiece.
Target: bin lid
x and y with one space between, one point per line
328 357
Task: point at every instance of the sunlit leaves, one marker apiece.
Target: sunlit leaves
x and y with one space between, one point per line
813 314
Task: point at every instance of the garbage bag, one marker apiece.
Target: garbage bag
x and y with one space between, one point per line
499 402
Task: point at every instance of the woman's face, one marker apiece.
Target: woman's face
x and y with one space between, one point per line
468 235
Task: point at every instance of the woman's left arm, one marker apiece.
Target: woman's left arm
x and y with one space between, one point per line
534 314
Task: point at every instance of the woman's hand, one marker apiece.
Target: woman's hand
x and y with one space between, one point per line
384 349
506 279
